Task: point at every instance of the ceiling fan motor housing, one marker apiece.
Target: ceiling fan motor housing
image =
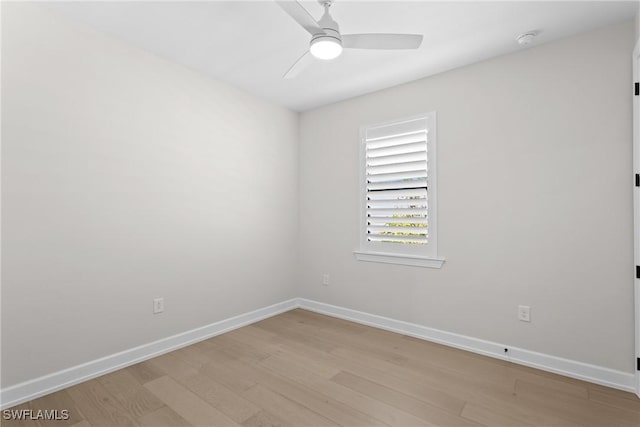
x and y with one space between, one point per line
328 25
329 34
328 44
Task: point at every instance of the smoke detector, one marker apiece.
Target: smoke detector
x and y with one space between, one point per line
526 38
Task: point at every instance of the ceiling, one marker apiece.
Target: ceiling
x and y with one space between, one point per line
252 44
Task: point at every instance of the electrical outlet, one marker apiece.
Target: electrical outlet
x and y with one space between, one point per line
158 305
325 279
524 313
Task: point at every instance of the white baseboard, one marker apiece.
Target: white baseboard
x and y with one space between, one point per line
32 389
570 368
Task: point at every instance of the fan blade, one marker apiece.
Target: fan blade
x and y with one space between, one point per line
302 63
301 16
381 41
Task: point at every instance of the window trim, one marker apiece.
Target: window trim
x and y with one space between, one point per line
418 257
402 259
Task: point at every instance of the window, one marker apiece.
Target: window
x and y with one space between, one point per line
398 193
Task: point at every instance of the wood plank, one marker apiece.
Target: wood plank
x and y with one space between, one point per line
553 382
139 402
344 338
144 372
220 397
192 356
324 322
187 404
619 394
59 401
173 366
492 416
119 382
130 393
575 409
98 406
551 375
421 390
327 406
286 409
265 419
615 400
463 386
265 338
288 331
319 367
365 404
163 417
421 354
18 416
219 372
420 409
237 350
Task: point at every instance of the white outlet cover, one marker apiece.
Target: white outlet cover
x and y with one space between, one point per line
524 313
158 305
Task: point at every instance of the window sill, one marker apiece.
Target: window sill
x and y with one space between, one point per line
413 260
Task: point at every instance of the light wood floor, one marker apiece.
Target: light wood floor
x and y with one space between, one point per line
305 369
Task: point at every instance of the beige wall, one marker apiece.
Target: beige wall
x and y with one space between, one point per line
126 178
534 167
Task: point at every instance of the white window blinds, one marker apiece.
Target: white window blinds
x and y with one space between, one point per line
397 193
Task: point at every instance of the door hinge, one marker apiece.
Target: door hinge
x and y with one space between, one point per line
637 88
638 363
637 271
638 180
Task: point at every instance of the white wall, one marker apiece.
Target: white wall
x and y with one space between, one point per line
126 177
534 193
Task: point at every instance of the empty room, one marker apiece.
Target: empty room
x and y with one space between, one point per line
320 213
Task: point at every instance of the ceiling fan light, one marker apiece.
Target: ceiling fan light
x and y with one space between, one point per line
325 48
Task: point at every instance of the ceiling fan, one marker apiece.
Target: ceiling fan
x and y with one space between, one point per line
327 42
